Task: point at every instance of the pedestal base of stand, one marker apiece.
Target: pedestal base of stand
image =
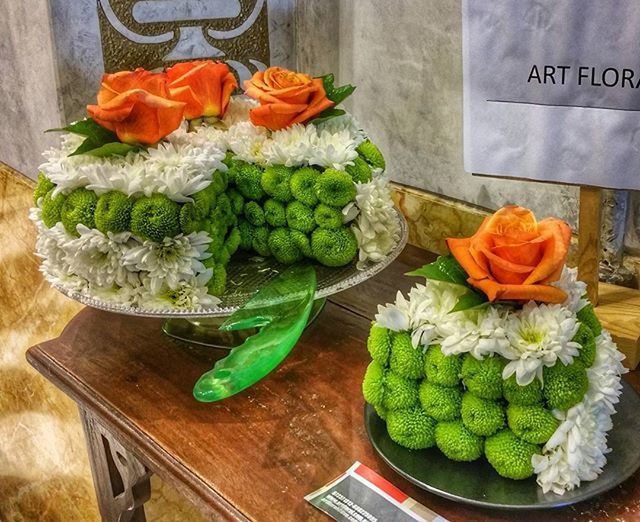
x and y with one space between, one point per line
206 331
619 312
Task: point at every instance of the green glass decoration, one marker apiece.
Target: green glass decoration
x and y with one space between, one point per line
280 310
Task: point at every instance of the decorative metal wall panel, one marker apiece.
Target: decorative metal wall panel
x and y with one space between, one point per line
156 33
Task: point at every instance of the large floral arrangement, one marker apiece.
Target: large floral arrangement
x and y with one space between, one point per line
146 200
499 355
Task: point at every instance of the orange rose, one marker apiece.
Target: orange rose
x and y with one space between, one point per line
205 87
136 106
285 97
513 257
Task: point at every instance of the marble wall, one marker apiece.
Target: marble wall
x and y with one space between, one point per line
404 56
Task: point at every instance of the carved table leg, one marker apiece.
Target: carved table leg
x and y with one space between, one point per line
120 479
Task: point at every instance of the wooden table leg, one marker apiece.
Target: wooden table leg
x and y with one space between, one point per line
121 481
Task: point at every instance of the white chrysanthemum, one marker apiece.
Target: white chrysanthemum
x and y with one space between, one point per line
174 260
238 110
180 170
395 316
345 122
98 257
336 150
481 334
539 335
290 147
576 290
177 169
187 295
208 136
576 451
376 226
246 142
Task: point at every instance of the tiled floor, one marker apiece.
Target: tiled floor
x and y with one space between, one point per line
44 470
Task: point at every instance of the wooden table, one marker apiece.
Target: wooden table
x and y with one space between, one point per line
253 456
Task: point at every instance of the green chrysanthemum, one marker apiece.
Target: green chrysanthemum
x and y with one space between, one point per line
532 424
237 201
276 182
379 344
411 428
303 243
113 212
248 181
260 241
587 316
246 234
254 214
283 247
371 154
218 281
584 336
483 417
155 218
406 360
52 208
335 188
43 186
443 403
360 171
334 247
457 442
303 185
79 208
300 217
327 217
523 395
483 377
274 213
440 368
509 455
564 385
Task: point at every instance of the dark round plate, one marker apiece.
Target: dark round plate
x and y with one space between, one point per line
478 484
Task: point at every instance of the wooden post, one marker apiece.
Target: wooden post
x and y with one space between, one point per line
589 239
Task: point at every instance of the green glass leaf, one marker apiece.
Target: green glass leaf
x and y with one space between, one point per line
445 268
108 149
470 300
280 309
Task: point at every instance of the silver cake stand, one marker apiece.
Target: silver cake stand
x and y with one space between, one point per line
245 275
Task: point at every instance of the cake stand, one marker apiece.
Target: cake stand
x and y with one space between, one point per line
245 275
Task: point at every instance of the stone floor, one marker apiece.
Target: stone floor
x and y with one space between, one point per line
44 470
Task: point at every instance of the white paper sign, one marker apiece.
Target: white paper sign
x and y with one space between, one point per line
552 90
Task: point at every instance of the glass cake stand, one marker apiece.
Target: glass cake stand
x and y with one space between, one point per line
245 275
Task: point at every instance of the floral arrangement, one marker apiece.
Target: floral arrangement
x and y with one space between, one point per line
146 200
499 355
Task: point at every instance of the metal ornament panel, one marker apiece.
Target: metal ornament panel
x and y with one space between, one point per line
157 33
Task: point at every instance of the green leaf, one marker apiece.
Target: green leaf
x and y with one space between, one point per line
445 268
327 83
327 115
336 94
341 93
470 300
112 149
90 129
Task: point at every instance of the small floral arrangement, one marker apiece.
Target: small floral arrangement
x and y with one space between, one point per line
499 355
147 199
